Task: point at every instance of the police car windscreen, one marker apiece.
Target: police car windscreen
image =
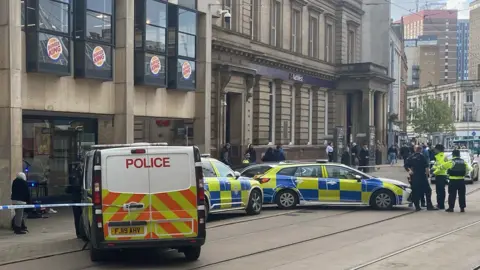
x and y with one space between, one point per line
152 173
463 155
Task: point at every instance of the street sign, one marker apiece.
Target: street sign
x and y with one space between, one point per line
474 133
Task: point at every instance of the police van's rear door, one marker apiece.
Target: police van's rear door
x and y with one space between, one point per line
173 192
126 194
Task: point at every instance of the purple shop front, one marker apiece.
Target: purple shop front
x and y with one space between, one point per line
290 76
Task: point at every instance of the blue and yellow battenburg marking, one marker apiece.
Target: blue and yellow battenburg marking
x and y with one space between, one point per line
227 193
328 189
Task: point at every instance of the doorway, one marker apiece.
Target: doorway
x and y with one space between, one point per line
233 124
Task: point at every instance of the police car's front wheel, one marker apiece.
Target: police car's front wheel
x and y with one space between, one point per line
192 253
255 202
382 199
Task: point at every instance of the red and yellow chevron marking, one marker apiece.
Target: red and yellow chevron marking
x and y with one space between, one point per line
174 214
168 215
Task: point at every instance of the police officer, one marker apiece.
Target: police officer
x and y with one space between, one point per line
457 169
441 177
418 168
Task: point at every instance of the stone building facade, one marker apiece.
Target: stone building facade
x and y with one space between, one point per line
287 72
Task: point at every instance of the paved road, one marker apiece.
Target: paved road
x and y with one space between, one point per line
314 237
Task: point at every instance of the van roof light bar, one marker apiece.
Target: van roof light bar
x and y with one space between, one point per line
205 155
105 146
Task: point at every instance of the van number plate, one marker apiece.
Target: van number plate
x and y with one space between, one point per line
127 230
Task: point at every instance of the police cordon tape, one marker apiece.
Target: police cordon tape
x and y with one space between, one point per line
34 206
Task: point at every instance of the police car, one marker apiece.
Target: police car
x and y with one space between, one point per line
144 196
226 190
465 154
288 185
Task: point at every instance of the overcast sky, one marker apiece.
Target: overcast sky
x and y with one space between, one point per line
404 7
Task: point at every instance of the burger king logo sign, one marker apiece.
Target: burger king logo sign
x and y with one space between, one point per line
155 65
98 56
186 70
54 48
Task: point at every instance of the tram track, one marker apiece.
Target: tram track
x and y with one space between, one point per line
318 237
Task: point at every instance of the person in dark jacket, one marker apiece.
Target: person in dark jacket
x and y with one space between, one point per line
268 156
354 154
75 189
278 154
20 196
345 159
225 155
363 158
252 154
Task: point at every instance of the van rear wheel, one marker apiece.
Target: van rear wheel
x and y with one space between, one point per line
96 255
255 203
192 253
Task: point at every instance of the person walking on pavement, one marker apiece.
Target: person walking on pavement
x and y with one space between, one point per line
329 151
441 176
418 169
268 156
392 154
279 154
252 154
20 196
457 168
354 155
225 155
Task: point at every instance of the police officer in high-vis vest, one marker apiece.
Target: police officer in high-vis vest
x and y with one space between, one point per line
457 169
441 177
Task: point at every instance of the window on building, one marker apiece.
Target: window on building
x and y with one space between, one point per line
351 47
48 36
150 42
296 30
255 10
313 37
230 5
292 113
271 113
275 23
94 41
469 96
329 43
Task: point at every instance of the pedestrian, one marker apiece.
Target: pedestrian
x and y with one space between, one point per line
329 151
441 176
20 196
354 155
363 158
252 154
278 153
418 169
268 156
225 154
75 189
426 153
392 154
457 169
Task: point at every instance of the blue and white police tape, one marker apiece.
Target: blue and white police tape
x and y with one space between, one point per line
34 206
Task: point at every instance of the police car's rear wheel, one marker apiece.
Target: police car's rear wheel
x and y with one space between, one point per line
255 203
382 199
192 253
207 209
286 199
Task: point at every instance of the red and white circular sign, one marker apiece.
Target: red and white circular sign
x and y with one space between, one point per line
54 48
155 65
98 56
186 70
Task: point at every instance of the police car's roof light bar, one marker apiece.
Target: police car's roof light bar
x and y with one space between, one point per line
105 146
321 161
205 155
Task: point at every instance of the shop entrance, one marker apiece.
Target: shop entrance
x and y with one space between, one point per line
233 125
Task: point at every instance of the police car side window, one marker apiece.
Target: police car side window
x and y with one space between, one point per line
308 171
208 169
223 170
339 172
254 171
288 171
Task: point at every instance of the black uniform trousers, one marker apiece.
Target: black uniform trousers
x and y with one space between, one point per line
421 188
330 156
440 183
457 186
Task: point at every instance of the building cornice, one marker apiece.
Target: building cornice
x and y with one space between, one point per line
301 3
313 8
264 60
353 23
350 6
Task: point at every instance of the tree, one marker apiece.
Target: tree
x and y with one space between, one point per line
432 115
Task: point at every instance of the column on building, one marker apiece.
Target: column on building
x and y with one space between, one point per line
261 111
302 110
124 72
220 80
379 115
203 96
366 117
282 112
331 111
319 115
10 101
340 109
356 115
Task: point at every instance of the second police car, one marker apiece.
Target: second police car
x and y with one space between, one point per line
288 185
226 190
